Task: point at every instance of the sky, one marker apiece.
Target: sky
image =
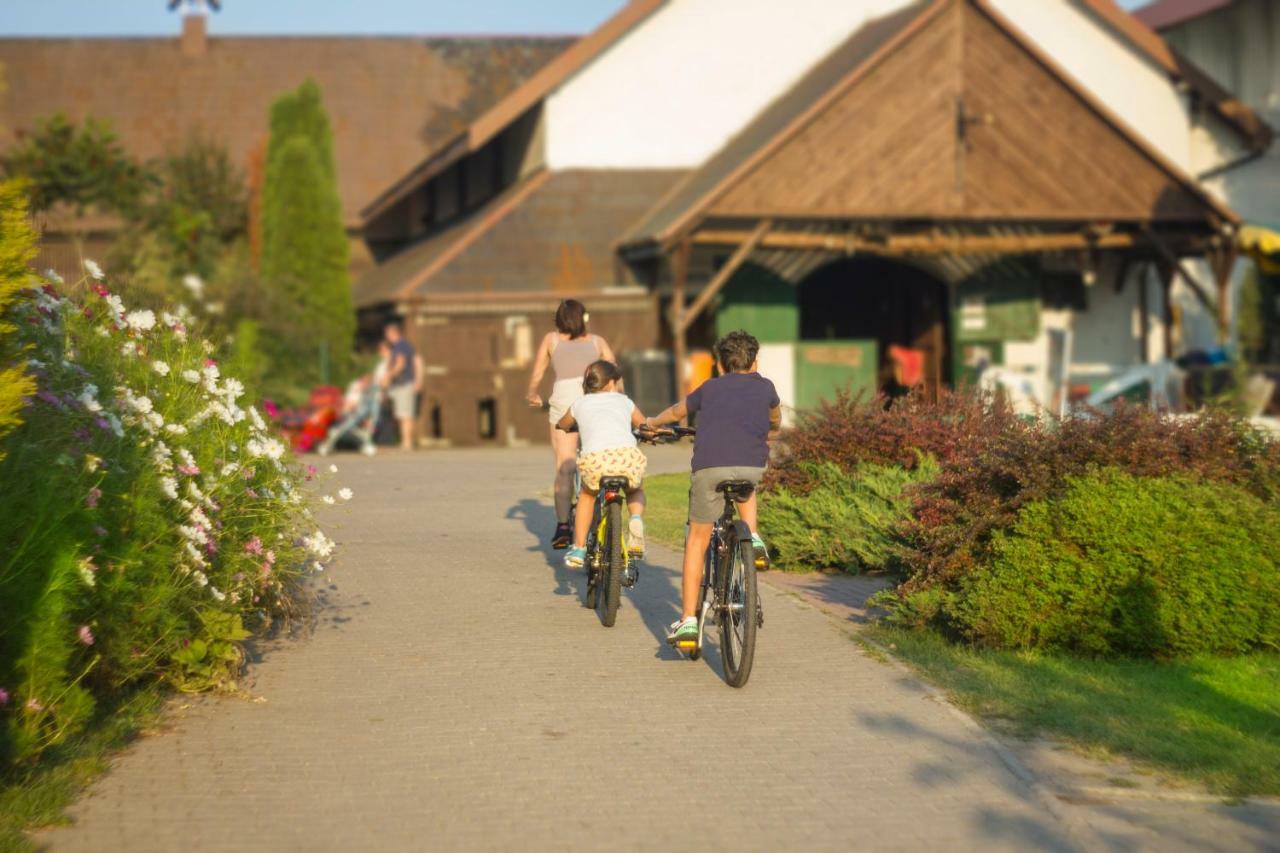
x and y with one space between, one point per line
346 17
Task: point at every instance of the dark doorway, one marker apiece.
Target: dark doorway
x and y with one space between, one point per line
873 298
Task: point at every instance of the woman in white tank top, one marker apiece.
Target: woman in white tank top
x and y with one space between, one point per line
568 351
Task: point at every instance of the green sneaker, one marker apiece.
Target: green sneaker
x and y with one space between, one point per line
683 630
762 552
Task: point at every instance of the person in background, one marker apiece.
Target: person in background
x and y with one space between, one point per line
400 381
360 408
569 350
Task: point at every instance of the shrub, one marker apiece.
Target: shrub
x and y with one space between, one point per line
854 429
1153 567
845 520
983 488
148 521
17 248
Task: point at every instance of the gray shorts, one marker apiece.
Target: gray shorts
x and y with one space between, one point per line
402 397
705 503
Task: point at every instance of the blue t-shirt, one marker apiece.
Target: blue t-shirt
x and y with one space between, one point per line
733 421
407 374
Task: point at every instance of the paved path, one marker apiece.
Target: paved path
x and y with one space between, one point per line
455 694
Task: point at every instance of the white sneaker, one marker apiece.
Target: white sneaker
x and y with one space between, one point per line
368 450
635 536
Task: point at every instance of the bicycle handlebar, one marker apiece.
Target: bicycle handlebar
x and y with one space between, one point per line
663 434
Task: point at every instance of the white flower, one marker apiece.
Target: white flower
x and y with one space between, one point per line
169 486
116 426
232 388
141 320
345 493
194 553
92 268
214 308
192 376
319 544
85 569
199 519
53 276
333 469
328 499
175 429
186 505
160 367
201 578
116 306
89 398
129 348
168 319
103 333
228 469
194 284
218 594
154 422
268 447
141 405
256 419
185 457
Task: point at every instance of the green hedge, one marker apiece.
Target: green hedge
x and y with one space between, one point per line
1152 567
845 520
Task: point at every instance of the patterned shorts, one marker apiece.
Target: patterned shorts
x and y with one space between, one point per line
626 462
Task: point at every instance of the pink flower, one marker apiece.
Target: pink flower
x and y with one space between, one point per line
4 697
272 410
311 471
91 499
253 546
85 635
208 362
34 705
189 470
266 569
271 558
251 493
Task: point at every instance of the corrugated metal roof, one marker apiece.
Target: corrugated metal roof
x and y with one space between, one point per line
1168 13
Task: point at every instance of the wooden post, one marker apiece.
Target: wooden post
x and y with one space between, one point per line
1144 316
680 276
723 274
1165 271
1221 261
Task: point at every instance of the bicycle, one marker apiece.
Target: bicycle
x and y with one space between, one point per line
729 597
608 563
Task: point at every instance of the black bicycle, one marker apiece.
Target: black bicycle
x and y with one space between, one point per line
729 597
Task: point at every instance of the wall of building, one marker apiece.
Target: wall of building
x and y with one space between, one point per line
676 87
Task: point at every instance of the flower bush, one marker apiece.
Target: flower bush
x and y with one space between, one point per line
149 521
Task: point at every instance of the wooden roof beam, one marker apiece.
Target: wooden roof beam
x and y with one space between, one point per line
923 244
722 276
1176 263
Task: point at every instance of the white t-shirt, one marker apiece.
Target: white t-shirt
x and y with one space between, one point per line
604 420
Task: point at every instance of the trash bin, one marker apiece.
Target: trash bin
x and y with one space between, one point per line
650 379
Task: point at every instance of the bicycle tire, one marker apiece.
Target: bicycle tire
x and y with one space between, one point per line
593 575
739 596
610 593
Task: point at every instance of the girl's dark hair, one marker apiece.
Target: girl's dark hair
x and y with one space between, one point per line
571 318
737 351
599 374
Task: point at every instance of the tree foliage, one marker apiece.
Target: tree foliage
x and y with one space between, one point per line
304 244
84 166
17 248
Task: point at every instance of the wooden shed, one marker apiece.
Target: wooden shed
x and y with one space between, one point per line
937 182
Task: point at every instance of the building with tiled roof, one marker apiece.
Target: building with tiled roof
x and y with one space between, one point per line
391 100
991 184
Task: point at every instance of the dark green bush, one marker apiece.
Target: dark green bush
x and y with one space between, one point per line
844 520
1157 567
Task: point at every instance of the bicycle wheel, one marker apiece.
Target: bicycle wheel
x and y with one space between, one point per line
738 621
593 575
610 578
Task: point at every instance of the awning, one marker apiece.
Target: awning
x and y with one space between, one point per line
1262 243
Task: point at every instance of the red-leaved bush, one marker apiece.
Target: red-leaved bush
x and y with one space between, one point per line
856 429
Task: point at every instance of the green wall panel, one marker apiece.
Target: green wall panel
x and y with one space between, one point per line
823 368
761 302
1000 303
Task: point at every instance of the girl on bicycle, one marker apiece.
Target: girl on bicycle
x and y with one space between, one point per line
605 417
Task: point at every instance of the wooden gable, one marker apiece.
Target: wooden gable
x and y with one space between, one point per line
961 120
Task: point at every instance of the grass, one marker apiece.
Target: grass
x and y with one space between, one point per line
35 797
667 507
1212 720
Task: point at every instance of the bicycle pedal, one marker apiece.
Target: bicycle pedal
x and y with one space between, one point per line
759 618
686 645
630 577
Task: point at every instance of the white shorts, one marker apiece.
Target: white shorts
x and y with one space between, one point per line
402 399
563 395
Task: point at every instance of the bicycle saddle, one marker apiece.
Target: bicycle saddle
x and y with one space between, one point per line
613 484
739 490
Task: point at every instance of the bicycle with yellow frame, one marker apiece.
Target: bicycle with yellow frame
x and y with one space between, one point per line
609 566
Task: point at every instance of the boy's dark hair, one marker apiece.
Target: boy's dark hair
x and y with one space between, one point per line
737 351
599 374
571 318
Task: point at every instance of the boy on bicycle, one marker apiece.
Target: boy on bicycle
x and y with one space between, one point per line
738 412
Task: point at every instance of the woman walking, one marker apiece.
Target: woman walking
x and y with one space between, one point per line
569 350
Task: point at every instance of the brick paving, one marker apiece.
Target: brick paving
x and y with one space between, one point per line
455 694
